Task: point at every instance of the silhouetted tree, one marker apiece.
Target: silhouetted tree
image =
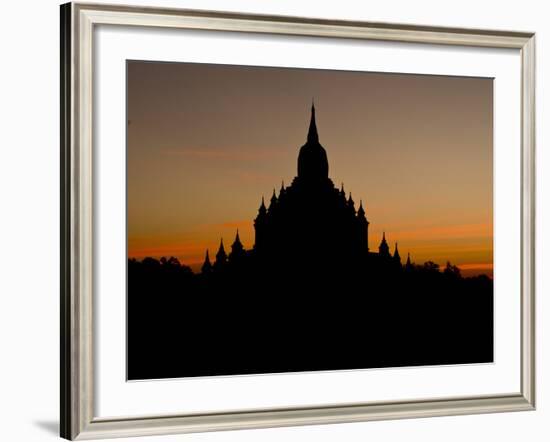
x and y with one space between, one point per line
431 266
452 271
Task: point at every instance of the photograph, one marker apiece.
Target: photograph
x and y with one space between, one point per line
284 220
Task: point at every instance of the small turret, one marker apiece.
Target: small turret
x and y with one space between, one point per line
384 249
396 256
361 211
262 210
363 226
237 239
283 190
221 257
351 204
273 202
237 249
207 266
408 264
260 226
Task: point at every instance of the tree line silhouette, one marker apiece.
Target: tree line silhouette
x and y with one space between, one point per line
244 319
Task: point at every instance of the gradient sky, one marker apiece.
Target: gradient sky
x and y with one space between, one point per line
205 142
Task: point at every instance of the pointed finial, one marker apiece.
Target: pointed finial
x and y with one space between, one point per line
221 256
273 200
221 250
237 240
262 210
396 253
312 135
361 211
207 265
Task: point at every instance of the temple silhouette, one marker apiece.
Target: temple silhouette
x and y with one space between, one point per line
310 222
310 294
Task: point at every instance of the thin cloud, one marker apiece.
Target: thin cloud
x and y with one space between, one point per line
476 266
459 231
244 224
231 154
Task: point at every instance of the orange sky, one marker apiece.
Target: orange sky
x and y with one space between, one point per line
205 142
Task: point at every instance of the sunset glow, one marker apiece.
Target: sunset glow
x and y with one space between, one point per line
206 142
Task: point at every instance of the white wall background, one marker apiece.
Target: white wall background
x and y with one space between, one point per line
29 207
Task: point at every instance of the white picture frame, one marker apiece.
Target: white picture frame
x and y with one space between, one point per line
78 419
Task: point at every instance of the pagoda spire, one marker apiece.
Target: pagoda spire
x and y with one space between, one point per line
262 210
273 201
207 266
312 135
237 249
260 225
342 192
396 255
363 226
408 264
221 256
312 159
384 249
237 238
361 211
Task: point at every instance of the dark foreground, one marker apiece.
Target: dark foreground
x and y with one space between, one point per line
261 321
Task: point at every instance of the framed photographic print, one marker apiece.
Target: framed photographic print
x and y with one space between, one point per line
273 221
